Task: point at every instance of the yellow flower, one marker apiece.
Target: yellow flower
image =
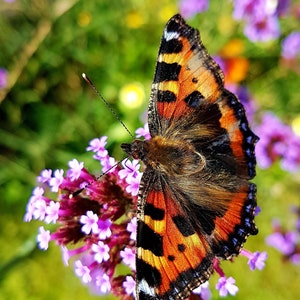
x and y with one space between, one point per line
132 95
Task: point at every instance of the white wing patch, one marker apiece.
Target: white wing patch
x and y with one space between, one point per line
171 35
144 287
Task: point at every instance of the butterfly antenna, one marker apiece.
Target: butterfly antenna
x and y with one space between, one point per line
76 193
90 83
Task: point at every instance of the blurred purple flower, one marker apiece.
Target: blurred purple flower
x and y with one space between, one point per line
282 7
3 78
188 8
226 286
286 242
204 291
261 18
247 9
291 46
277 142
262 29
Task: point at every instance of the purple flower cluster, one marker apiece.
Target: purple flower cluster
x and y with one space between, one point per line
261 17
96 215
277 142
287 242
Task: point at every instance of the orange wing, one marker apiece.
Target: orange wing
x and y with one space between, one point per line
185 75
172 259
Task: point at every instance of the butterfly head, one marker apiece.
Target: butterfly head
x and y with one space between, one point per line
137 149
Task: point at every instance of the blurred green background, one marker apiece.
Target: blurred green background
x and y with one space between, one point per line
49 114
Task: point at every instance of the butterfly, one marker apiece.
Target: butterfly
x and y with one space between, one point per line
196 202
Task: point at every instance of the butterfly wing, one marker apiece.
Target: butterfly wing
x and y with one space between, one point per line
185 74
172 259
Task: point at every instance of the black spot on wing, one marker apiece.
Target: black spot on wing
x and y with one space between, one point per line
166 72
154 212
149 239
194 99
183 225
181 247
171 46
166 96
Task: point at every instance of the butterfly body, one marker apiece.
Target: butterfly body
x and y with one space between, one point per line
195 199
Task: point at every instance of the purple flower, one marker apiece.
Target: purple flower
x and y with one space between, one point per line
52 211
261 20
188 8
37 195
108 163
103 282
129 285
226 286
104 229
131 168
39 212
90 222
204 291
262 29
285 243
282 7
43 238
101 252
57 180
3 78
128 256
133 184
291 46
277 142
295 259
75 169
256 259
246 9
143 132
45 176
82 271
98 146
132 228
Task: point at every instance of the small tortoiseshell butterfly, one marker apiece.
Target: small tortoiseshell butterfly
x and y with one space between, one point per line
195 201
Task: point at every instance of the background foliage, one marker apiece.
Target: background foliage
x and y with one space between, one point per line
48 115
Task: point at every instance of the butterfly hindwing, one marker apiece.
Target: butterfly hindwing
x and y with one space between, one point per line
172 259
